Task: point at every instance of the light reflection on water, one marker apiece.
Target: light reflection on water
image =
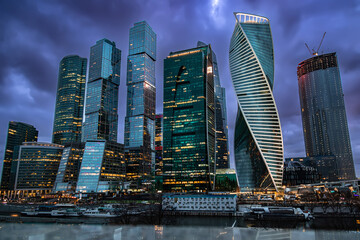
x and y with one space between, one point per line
149 232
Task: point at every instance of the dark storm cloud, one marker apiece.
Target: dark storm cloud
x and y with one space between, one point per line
35 35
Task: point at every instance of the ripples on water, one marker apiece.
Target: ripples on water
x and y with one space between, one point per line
104 232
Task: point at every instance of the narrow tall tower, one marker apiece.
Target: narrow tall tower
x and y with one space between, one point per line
323 114
101 117
159 125
69 100
141 96
18 133
222 146
258 138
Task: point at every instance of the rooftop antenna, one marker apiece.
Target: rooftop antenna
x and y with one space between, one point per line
313 52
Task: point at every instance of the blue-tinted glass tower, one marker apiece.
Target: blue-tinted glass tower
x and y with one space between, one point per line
323 114
258 138
70 100
141 95
101 117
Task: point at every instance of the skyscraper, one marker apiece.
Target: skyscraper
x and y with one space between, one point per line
141 95
18 133
189 121
222 145
323 112
258 138
101 118
69 100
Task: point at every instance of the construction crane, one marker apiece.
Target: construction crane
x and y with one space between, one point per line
313 52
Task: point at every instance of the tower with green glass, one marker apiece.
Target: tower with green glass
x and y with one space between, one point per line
101 117
141 95
18 133
189 121
69 100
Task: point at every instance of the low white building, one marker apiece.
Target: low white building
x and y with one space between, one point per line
221 203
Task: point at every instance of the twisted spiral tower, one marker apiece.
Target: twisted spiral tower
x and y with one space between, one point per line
258 137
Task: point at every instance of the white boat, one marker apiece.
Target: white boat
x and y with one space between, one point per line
30 212
98 213
280 212
66 210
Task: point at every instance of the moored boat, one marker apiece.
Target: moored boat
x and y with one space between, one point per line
274 212
99 212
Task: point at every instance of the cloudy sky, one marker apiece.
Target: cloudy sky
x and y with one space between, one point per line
36 35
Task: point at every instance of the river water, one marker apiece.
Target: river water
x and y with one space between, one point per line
190 228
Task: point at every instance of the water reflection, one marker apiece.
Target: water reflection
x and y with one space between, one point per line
83 231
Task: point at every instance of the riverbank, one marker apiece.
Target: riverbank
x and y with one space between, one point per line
324 221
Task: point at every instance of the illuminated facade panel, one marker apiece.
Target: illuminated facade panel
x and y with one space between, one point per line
101 117
258 138
37 166
69 168
189 121
323 113
102 168
139 133
18 133
69 100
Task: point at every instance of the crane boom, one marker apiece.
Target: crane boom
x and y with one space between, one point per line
308 49
320 42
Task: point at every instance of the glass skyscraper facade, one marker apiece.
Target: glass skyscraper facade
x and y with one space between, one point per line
158 148
69 168
69 100
258 138
18 133
37 166
222 144
101 110
102 168
222 147
323 113
141 95
189 121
